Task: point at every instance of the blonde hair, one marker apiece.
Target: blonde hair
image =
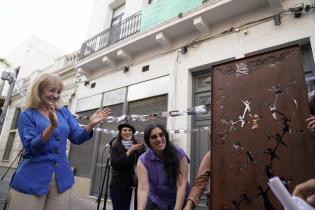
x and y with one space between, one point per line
33 99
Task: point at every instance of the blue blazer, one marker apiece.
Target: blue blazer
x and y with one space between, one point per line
40 159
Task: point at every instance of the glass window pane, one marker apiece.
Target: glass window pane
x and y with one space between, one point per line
9 145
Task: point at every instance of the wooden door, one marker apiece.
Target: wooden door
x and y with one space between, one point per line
200 143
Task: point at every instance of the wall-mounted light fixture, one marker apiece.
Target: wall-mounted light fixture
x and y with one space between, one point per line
298 10
308 7
277 19
145 68
126 69
183 50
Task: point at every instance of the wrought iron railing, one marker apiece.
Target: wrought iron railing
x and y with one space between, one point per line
117 32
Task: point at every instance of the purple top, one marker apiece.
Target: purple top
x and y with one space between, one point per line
162 192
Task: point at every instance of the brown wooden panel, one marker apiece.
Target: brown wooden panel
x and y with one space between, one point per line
268 139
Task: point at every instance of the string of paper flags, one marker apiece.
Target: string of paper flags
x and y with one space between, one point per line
201 109
175 131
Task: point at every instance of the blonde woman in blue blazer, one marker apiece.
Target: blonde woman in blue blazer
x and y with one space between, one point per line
43 180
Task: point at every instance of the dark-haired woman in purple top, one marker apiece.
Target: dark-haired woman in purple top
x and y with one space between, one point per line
162 172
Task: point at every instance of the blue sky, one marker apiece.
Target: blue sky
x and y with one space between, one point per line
63 23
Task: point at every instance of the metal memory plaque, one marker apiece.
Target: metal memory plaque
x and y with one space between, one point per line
259 107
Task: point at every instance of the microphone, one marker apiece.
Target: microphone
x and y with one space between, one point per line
111 141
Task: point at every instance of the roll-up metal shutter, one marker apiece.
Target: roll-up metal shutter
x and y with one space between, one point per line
146 107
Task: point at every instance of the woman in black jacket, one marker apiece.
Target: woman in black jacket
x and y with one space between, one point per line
125 152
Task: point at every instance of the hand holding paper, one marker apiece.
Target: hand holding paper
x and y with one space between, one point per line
288 202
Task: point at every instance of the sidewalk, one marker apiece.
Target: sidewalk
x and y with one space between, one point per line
85 204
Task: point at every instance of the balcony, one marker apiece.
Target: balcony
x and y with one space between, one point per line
162 31
118 32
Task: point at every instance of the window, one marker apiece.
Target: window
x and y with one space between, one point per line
309 67
115 33
118 14
14 124
12 133
146 106
307 58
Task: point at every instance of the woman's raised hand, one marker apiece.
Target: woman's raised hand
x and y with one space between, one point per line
97 117
100 115
52 115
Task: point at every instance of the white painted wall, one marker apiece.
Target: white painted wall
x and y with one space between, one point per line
158 67
100 18
132 7
262 37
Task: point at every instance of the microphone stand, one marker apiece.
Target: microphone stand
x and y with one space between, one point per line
106 176
8 169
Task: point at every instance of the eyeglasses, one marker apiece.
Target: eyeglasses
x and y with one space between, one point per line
156 136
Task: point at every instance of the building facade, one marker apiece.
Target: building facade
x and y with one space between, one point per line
154 56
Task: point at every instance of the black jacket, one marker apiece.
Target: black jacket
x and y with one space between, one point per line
123 167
